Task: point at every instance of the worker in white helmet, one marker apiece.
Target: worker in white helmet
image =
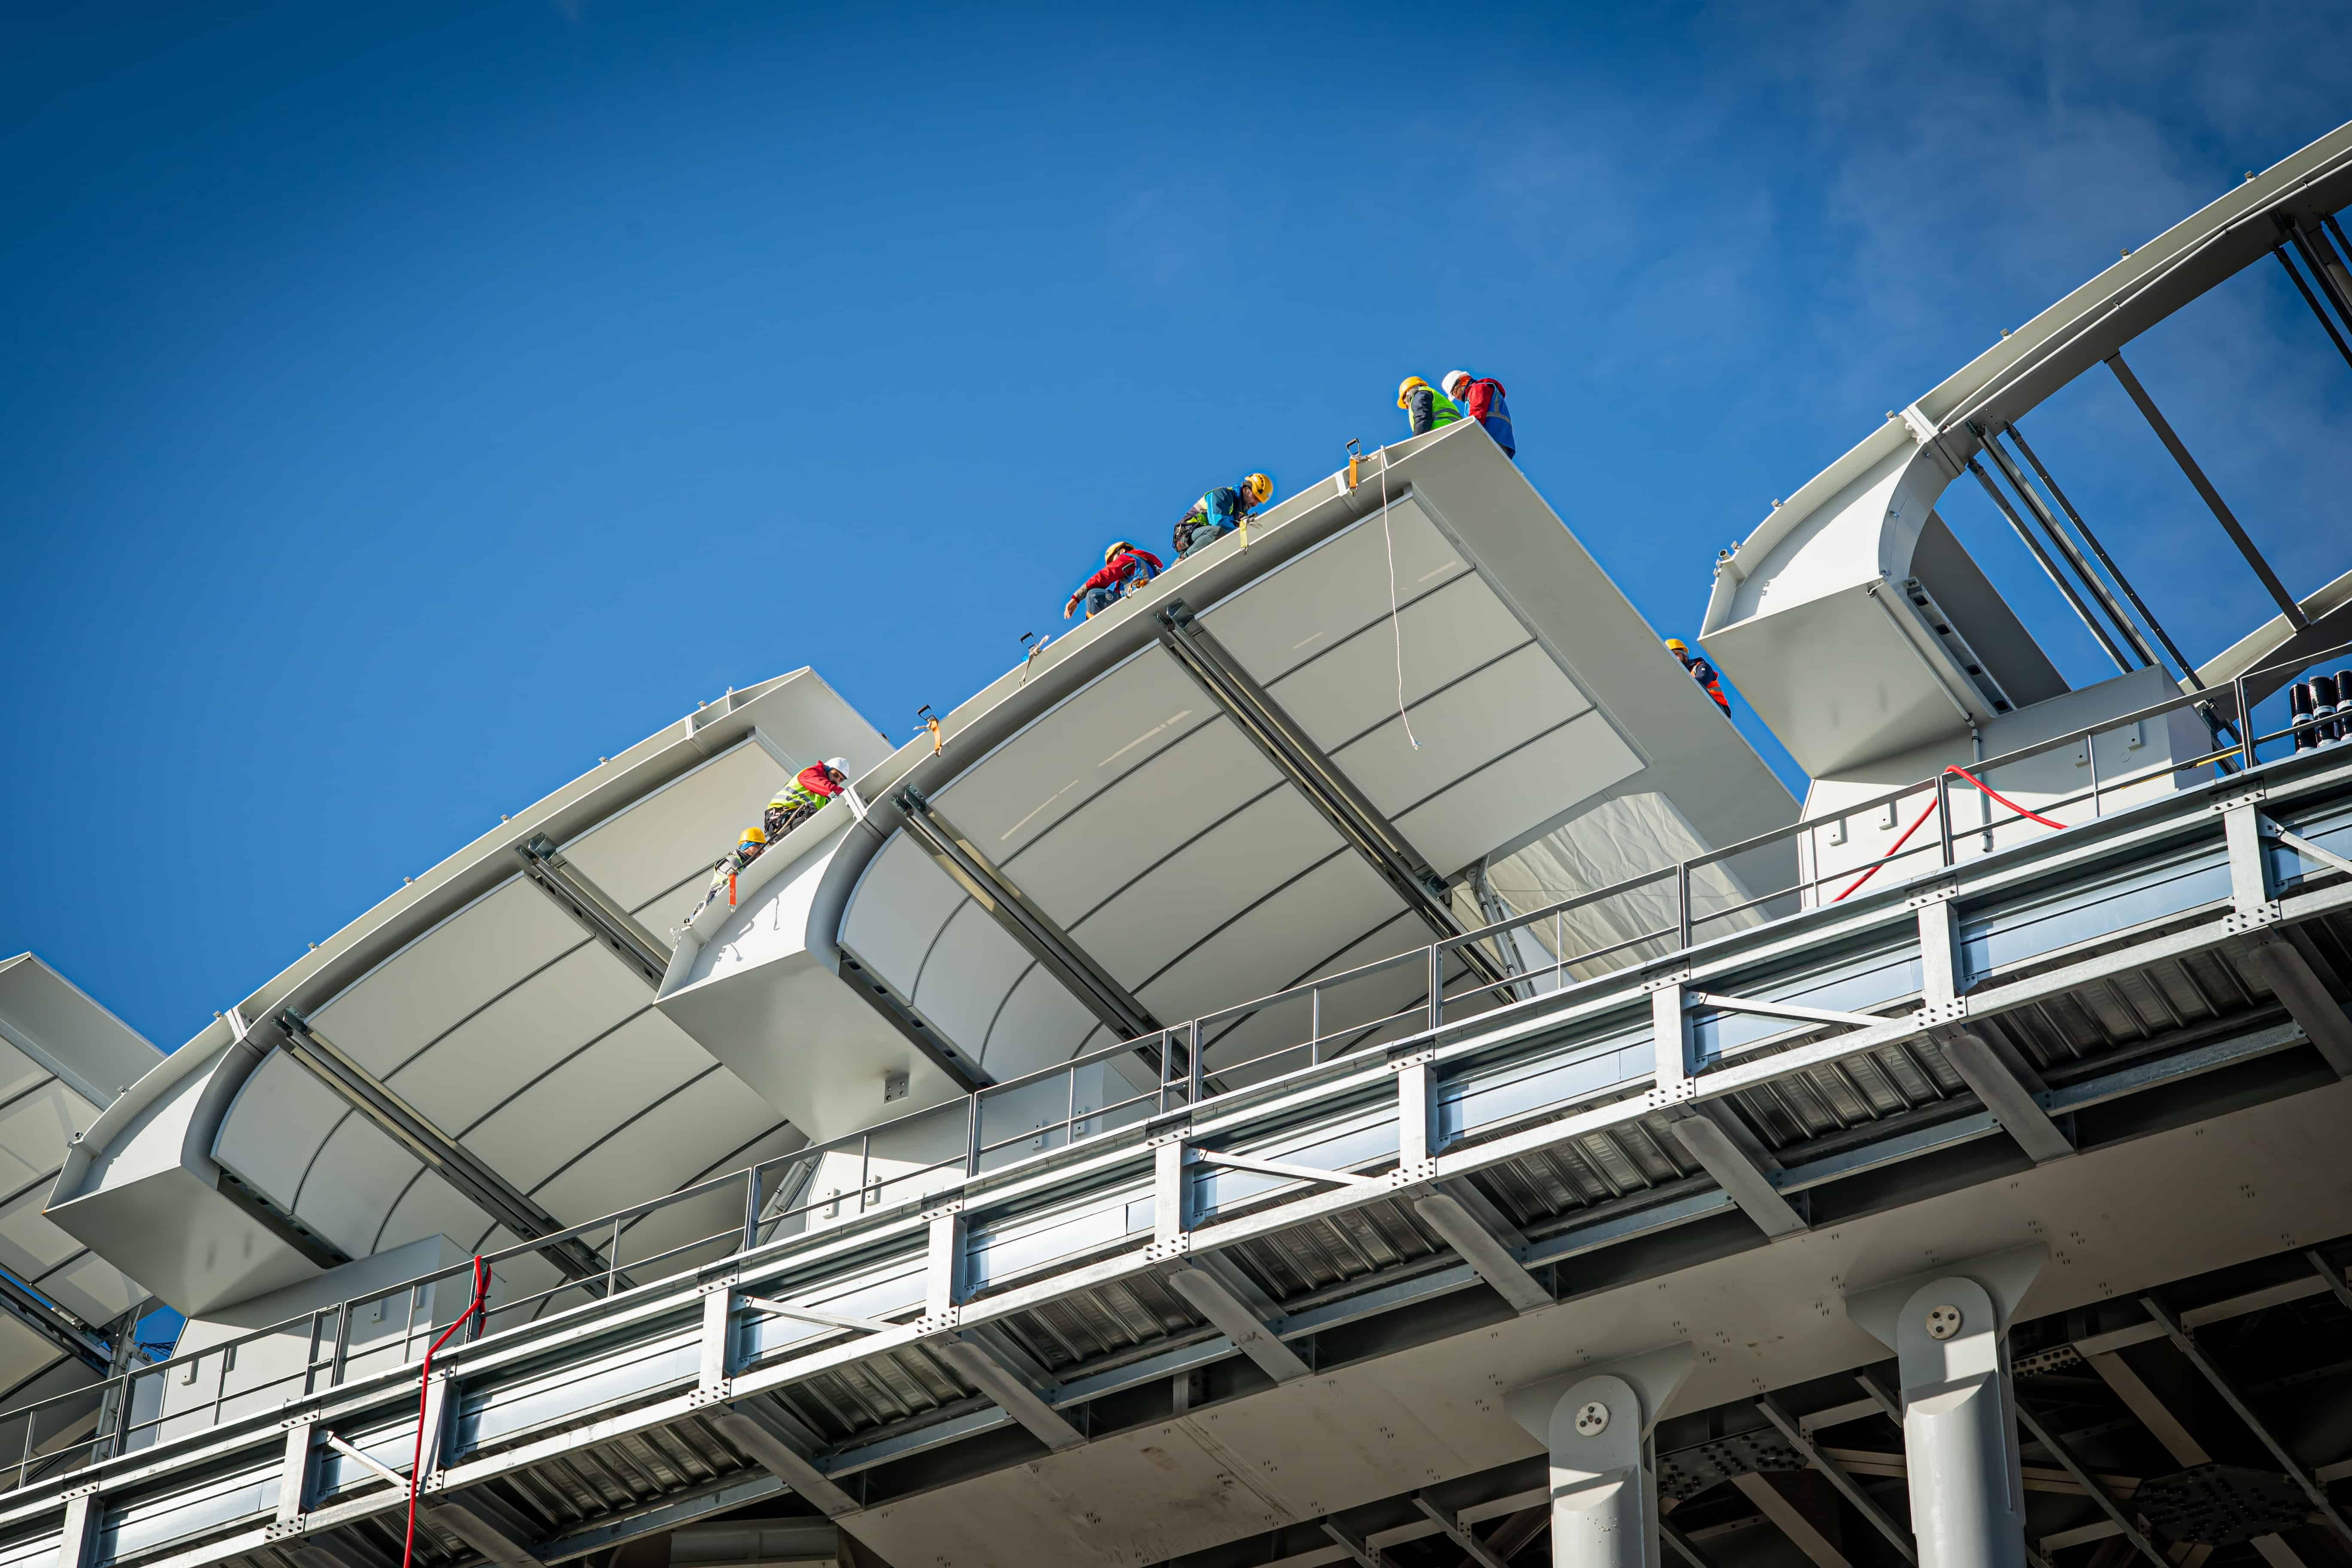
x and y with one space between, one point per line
1481 397
807 794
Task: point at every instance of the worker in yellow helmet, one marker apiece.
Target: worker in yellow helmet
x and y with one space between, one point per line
1700 671
1219 512
1425 407
750 846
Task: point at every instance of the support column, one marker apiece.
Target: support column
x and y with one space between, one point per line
1604 1485
1948 1333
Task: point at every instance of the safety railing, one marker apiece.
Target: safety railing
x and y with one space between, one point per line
1273 1040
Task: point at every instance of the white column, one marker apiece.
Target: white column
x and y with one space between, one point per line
1949 1331
1596 1423
1959 1429
1604 1497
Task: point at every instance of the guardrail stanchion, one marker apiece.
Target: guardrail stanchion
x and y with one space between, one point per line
1682 904
1192 1065
971 1136
2091 751
1436 984
751 1209
1314 1025
2246 749
1944 816
613 1260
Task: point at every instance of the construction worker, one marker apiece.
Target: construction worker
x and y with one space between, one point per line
806 795
1125 569
1221 511
1702 672
1425 408
747 848
1481 397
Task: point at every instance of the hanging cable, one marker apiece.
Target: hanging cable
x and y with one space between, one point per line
1396 627
424 1402
1921 819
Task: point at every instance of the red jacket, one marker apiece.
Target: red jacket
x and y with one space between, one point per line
815 778
1121 566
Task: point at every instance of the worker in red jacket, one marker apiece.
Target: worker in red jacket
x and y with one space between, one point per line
1124 570
1700 671
807 794
1481 397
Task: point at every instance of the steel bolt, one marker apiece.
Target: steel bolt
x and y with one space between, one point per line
1943 1322
1592 1419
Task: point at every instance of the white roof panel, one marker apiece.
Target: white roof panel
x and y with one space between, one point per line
966 976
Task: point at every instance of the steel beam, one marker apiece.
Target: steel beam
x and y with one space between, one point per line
2236 1400
1792 1522
2005 1095
1250 1333
335 1549
1850 1488
2181 660
452 1161
53 1323
2049 567
503 1534
2211 497
766 1439
1482 1250
1294 756
978 1366
1454 1530
1359 1551
2326 321
599 914
1739 1173
1035 931
2091 1487
2281 966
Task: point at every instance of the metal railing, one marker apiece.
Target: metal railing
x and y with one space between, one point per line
1102 1092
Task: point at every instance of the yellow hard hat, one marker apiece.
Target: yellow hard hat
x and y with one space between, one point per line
1404 389
1257 486
1114 547
755 834
1676 645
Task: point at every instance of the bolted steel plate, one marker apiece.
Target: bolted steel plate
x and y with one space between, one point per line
2221 1505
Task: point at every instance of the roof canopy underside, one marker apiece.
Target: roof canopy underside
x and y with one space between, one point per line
1143 819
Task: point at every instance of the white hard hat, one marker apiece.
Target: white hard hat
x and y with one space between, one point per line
838 764
1453 378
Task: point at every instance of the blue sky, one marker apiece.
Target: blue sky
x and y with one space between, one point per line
401 408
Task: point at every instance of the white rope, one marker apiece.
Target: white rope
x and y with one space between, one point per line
1396 628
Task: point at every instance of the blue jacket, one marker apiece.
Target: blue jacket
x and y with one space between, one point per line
1224 505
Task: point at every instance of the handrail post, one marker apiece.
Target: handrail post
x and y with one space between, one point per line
613 1258
2245 726
1436 984
751 1207
1682 904
971 1136
1192 1065
2091 751
1314 1025
1944 815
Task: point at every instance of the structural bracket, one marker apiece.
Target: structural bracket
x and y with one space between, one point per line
1738 1173
765 1439
1488 1255
978 1366
599 914
1297 758
1096 987
1234 1318
448 1158
2280 966
2005 1095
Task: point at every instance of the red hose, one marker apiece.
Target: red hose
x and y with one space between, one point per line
1923 816
424 1381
